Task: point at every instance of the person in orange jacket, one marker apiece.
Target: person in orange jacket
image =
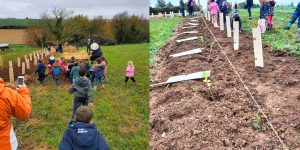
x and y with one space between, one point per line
12 103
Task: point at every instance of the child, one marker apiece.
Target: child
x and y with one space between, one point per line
82 90
130 72
82 134
70 66
99 68
264 10
88 69
105 71
41 72
214 10
225 9
50 71
57 73
235 16
51 59
294 18
271 14
74 72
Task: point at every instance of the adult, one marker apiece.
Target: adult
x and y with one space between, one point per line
12 103
88 46
96 52
191 5
248 5
182 8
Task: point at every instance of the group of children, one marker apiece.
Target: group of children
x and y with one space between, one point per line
266 13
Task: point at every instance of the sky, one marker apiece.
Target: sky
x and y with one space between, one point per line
90 8
176 2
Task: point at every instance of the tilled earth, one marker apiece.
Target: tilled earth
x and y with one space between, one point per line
190 115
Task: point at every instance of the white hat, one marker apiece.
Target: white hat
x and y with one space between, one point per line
52 57
94 46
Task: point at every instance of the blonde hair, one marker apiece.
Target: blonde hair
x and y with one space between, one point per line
130 63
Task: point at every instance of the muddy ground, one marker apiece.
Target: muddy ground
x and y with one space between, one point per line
190 115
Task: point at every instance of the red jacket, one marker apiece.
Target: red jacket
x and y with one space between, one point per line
12 103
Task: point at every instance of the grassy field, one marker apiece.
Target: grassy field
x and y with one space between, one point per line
278 37
160 32
15 52
16 22
121 113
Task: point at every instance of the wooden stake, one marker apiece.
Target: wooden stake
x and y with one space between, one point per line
25 57
11 75
10 64
258 51
1 63
228 26
19 62
30 57
27 64
236 35
23 68
221 21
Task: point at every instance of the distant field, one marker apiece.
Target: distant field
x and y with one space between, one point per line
16 22
12 36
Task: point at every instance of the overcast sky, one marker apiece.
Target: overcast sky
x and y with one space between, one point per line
176 2
91 8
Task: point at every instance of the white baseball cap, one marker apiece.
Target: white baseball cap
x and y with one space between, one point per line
94 46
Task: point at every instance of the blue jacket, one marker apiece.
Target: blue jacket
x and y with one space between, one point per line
296 15
40 69
220 3
264 10
224 9
81 136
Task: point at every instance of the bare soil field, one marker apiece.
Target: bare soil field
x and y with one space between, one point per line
12 36
190 115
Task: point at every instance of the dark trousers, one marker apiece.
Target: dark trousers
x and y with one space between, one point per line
131 78
182 12
191 9
78 101
42 78
249 11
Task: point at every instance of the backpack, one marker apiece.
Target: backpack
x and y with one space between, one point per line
56 71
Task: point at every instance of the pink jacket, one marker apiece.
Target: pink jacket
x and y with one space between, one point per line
130 71
214 8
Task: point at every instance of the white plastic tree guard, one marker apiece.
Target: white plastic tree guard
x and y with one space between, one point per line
11 75
236 36
189 27
228 26
194 51
194 24
258 51
180 78
221 21
166 15
209 16
19 62
187 39
23 68
189 32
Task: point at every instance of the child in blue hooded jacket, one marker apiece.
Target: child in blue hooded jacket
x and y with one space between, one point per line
82 134
294 18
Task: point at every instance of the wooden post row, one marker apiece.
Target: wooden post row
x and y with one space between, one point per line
236 37
228 26
258 51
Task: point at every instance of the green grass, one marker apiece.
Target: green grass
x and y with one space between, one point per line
160 32
278 37
16 22
121 113
15 52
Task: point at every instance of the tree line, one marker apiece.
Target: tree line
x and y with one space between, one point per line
60 26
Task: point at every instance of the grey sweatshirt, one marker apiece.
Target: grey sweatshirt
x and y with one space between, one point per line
82 88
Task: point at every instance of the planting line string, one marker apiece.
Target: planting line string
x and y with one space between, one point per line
245 86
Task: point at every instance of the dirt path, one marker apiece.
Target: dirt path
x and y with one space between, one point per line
186 116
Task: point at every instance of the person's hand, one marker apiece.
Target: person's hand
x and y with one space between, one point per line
12 86
20 86
288 26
